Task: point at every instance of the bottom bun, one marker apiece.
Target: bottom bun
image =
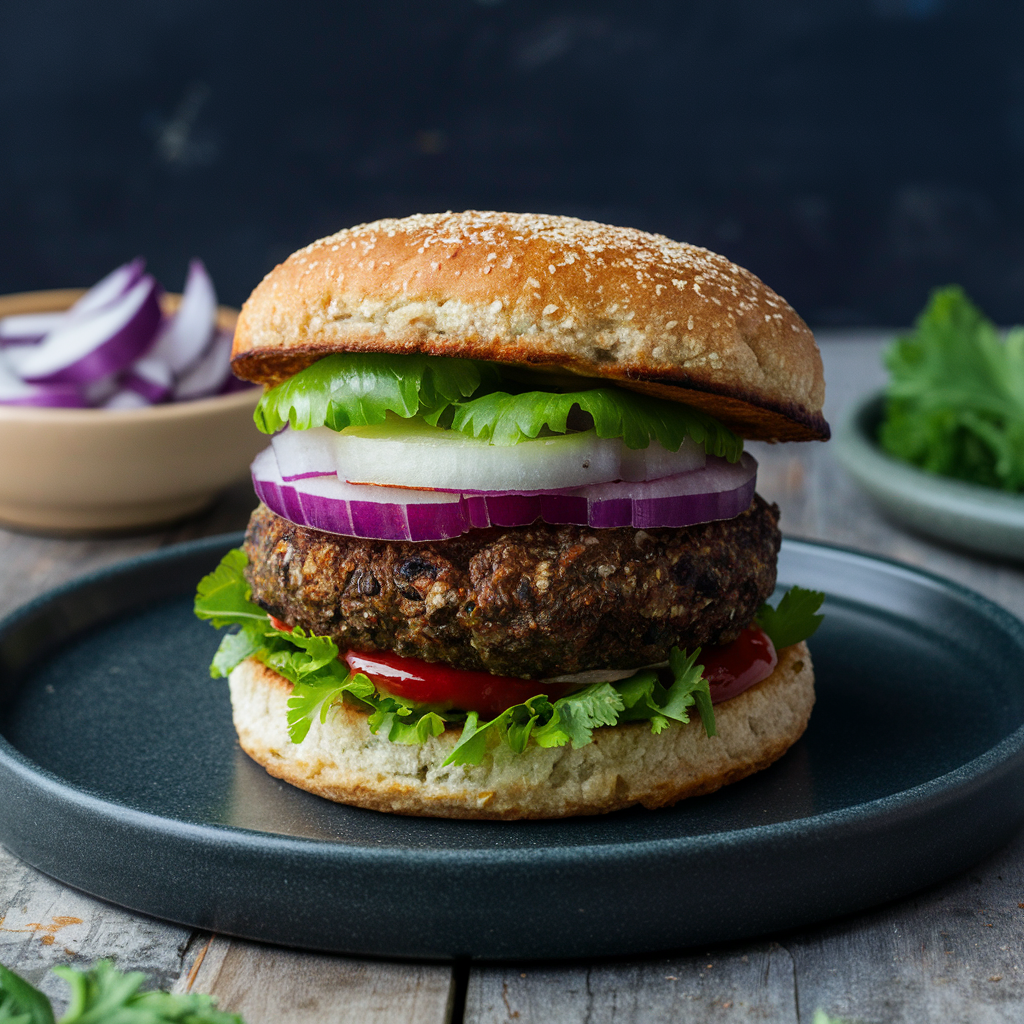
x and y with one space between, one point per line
623 765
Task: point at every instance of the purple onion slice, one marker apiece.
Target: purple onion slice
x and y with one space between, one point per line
210 374
14 391
151 378
110 289
719 491
187 335
306 453
84 349
126 398
27 328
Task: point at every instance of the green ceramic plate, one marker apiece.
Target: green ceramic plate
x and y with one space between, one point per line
964 514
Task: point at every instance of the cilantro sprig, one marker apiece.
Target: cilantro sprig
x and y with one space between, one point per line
955 402
794 619
361 389
104 995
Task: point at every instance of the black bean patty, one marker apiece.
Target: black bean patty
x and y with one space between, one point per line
532 601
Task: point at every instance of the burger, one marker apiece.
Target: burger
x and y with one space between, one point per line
509 561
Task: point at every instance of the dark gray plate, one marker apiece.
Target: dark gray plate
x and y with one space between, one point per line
121 776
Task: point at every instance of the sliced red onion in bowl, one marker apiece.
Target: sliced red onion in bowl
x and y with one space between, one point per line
719 491
109 290
210 374
85 349
126 398
14 391
186 336
151 378
28 328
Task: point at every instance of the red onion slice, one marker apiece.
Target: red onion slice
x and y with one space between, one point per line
719 491
85 349
126 398
186 336
27 328
109 290
151 378
306 453
14 391
210 374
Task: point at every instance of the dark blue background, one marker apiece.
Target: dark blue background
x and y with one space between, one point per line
854 153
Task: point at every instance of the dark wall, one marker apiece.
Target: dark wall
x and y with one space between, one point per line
854 153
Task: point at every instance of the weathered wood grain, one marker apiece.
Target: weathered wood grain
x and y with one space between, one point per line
44 923
270 986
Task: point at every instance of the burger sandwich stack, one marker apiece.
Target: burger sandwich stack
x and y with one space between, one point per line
509 561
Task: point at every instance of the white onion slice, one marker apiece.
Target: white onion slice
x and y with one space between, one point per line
185 337
86 349
210 374
411 453
306 453
26 328
719 491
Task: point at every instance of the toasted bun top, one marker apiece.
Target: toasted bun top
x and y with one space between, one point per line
549 293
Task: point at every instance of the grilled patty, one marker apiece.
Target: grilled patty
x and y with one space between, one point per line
530 601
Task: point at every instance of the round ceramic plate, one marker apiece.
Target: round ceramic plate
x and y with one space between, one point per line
121 776
968 515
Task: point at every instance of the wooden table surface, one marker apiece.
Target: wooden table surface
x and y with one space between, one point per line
950 953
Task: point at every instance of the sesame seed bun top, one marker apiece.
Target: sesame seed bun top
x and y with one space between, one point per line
563 296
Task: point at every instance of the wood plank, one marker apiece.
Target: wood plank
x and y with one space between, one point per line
44 923
267 985
753 983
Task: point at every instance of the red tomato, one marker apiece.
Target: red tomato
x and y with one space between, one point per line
733 668
446 687
278 624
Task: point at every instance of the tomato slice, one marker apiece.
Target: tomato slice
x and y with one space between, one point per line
732 668
445 687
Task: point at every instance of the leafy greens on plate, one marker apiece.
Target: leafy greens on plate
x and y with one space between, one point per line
956 395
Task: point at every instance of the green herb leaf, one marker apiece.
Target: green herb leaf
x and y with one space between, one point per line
956 395
105 995
359 389
20 1003
506 419
794 619
222 597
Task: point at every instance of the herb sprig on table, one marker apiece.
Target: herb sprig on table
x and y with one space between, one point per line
104 995
956 395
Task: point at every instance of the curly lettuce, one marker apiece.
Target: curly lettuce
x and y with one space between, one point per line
361 389
955 399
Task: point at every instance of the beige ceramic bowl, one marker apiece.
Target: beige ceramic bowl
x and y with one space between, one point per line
89 470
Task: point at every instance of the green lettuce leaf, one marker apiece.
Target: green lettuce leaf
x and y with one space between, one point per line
361 388
794 619
223 595
956 395
505 419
